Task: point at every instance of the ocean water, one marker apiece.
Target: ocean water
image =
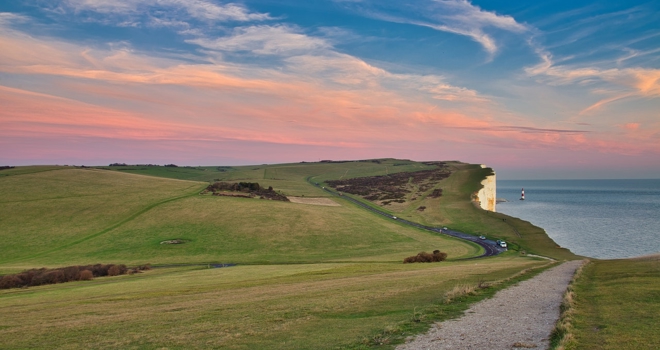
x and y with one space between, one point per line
604 219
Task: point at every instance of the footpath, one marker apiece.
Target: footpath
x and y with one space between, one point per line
521 316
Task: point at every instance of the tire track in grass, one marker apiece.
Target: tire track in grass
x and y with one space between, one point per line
108 229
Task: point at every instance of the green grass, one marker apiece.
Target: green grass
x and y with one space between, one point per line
307 306
31 169
308 276
289 178
42 213
617 305
83 216
204 174
253 231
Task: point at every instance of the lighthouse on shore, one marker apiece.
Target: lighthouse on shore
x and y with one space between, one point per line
522 195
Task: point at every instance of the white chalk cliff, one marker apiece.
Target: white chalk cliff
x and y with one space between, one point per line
487 194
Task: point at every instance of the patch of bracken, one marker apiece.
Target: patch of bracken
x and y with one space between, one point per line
394 187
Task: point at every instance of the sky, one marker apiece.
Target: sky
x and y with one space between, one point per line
535 90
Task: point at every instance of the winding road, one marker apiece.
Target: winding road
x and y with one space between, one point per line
490 247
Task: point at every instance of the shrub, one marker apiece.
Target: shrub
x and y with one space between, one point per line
100 270
113 270
71 273
86 275
437 256
48 277
10 281
38 277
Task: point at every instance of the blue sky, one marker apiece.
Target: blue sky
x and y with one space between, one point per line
553 89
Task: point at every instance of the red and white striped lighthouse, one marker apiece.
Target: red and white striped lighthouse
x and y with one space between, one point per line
522 195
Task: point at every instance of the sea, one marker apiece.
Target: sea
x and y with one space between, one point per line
603 219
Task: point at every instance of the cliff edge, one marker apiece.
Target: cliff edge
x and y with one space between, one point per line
487 194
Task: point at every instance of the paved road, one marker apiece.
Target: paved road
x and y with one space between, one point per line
490 247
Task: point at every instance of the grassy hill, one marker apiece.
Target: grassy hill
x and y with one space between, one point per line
308 276
81 216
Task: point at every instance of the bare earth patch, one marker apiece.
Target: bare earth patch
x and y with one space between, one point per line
315 201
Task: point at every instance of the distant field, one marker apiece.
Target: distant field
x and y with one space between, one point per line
308 276
83 216
289 178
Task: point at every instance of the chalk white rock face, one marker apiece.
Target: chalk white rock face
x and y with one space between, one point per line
487 195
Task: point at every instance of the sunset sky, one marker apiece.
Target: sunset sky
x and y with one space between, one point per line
549 89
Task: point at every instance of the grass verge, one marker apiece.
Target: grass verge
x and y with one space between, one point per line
616 305
562 336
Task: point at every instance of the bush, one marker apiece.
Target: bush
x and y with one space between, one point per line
48 277
86 275
100 270
116 270
10 281
437 256
71 273
38 277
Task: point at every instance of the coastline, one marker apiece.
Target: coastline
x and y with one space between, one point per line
608 219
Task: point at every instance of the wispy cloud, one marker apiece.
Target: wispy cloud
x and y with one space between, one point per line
7 18
322 90
528 129
623 82
229 73
264 40
452 16
155 12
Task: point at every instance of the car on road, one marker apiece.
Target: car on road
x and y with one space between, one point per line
501 243
394 217
444 229
482 237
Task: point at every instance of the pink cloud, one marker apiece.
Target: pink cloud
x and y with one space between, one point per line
631 126
332 101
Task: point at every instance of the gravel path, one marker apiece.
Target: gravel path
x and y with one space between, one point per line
521 316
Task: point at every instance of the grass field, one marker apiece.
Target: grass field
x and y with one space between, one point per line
617 305
289 178
308 276
82 216
44 213
302 306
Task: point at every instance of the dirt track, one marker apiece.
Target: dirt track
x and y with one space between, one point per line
315 201
521 316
